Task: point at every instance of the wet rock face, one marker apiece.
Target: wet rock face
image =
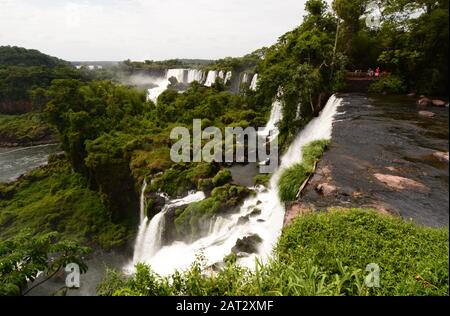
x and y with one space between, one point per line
383 136
247 244
255 212
154 204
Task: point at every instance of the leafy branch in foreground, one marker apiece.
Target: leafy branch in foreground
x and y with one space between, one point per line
25 256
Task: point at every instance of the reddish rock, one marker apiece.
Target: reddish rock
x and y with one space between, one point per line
294 210
326 189
400 183
427 114
441 156
424 102
438 103
412 94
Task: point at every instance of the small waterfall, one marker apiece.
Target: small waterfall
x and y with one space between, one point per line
228 77
245 78
148 240
142 201
254 82
210 78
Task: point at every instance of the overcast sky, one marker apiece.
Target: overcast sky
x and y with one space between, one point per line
146 29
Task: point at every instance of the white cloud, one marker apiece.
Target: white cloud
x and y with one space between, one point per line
152 29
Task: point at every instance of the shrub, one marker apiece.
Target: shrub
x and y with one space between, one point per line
292 178
390 84
222 177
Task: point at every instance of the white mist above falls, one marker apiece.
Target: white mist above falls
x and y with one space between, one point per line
224 231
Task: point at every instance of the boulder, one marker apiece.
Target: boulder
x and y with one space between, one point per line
326 189
400 183
412 94
427 114
438 103
243 220
247 244
255 212
441 156
424 102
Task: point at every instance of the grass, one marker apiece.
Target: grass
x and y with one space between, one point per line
52 198
318 254
24 129
293 177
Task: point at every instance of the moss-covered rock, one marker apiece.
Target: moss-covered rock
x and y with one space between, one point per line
193 220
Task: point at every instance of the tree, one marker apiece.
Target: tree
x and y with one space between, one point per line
25 256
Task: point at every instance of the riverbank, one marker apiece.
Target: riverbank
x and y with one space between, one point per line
25 130
384 155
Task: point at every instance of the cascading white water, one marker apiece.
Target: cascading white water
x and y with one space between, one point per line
210 78
185 76
195 75
228 77
225 231
148 240
142 201
244 78
254 82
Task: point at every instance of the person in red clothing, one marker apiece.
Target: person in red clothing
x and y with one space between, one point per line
377 72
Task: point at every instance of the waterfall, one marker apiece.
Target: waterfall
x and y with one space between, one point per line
228 77
254 82
244 78
226 230
142 201
185 76
210 78
148 240
195 75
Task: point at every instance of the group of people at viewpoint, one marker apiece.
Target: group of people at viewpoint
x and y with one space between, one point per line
372 73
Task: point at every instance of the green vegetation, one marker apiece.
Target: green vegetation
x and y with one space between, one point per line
411 46
25 255
261 179
53 198
25 129
303 63
18 56
318 254
391 84
292 178
193 220
23 75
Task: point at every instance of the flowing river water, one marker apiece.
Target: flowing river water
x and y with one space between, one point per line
17 161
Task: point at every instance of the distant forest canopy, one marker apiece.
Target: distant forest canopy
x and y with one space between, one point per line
23 75
22 57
